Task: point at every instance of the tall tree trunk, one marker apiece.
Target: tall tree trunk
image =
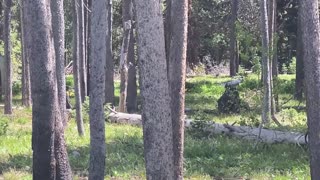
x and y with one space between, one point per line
299 85
132 77
76 68
311 42
126 18
58 34
26 87
233 37
99 27
45 109
82 52
167 31
109 89
266 107
63 169
7 52
156 113
89 5
177 77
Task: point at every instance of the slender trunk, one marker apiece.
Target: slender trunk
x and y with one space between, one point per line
266 108
167 33
132 77
7 52
89 5
233 37
154 88
82 52
99 27
109 89
26 88
311 41
76 68
177 77
300 67
58 34
126 18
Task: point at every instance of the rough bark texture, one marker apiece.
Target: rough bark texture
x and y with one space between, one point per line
177 77
82 52
132 77
26 87
99 27
89 5
233 38
266 108
45 109
63 169
109 89
311 42
244 132
167 31
58 36
76 68
156 113
126 20
299 84
7 56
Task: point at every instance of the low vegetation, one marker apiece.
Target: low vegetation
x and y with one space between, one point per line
207 156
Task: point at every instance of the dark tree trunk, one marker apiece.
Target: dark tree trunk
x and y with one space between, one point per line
177 75
7 53
99 27
58 34
233 38
299 66
167 31
89 5
47 131
109 90
126 18
76 68
82 52
132 77
26 87
311 56
154 88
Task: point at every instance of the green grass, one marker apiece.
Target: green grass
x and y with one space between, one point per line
206 156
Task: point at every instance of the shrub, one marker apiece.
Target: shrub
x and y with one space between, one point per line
3 127
16 87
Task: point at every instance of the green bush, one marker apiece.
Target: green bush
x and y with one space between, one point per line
249 83
3 127
69 81
284 86
16 87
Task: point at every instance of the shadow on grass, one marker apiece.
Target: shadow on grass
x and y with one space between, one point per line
18 162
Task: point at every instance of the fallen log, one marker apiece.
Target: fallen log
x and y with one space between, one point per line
245 132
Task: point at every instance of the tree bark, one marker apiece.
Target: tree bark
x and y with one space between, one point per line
109 89
46 138
7 52
299 84
266 108
132 77
127 19
311 56
233 38
99 27
63 169
177 77
245 132
26 87
82 52
167 34
76 68
58 36
156 113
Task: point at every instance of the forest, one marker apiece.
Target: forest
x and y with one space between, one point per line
170 90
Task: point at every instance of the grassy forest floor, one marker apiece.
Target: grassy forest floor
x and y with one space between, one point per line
206 156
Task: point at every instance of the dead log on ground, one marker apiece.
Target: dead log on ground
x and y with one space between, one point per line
245 132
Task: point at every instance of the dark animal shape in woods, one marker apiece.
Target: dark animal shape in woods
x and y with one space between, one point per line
230 101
